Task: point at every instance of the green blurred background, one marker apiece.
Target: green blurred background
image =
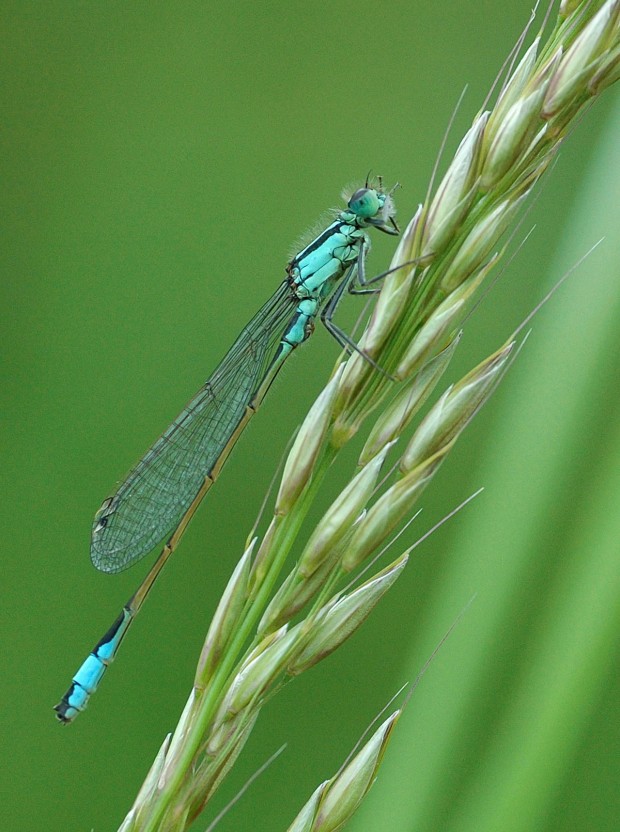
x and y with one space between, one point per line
159 161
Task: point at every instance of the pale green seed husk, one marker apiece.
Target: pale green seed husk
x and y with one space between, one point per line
225 617
454 410
340 620
401 410
341 515
456 191
347 790
383 517
307 446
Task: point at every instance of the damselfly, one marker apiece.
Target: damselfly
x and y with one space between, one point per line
161 494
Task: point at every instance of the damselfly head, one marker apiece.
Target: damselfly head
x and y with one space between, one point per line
372 206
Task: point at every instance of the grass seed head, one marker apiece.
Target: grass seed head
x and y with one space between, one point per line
454 410
226 616
259 671
305 820
341 515
348 788
513 136
307 446
456 191
410 398
342 619
478 244
389 510
297 591
390 306
432 335
580 62
513 90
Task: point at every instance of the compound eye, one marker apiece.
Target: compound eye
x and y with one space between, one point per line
365 203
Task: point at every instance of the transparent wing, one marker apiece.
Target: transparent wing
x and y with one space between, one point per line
158 492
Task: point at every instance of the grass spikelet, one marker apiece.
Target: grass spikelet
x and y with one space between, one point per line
341 515
401 410
346 791
339 621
